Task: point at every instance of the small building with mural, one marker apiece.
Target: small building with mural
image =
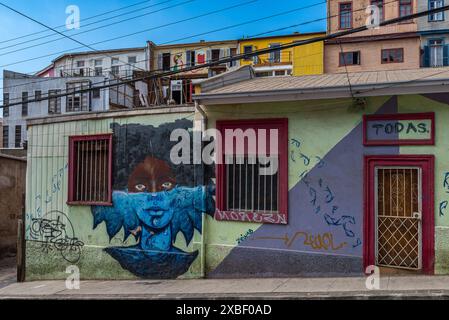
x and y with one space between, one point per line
298 61
326 187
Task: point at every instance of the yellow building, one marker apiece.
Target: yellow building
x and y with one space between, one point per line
297 61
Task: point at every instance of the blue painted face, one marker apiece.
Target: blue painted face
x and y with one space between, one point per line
153 209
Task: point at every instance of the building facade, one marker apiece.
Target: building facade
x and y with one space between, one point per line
178 89
119 63
359 181
298 61
25 89
12 195
434 31
384 48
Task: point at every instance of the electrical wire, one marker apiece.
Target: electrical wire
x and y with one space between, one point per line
258 52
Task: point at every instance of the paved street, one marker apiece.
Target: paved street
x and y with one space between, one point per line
292 288
7 271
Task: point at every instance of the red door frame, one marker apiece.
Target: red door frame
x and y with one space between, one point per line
426 163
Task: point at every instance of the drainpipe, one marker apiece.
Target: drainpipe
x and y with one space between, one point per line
203 128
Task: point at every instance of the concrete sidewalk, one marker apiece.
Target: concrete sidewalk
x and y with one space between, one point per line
291 288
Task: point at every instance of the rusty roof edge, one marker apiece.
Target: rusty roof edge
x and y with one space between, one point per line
7 156
111 114
333 92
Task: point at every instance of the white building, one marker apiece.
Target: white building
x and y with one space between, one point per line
118 62
24 89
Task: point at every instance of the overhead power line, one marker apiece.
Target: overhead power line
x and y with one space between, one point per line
82 20
56 31
92 29
204 33
247 55
136 33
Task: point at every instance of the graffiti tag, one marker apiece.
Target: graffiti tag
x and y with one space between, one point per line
245 236
317 242
54 234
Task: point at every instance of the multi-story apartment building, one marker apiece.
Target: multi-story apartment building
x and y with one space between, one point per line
25 89
434 32
118 62
297 61
178 89
384 48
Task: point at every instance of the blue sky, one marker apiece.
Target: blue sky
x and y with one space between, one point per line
53 13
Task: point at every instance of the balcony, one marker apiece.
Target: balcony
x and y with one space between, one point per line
123 71
273 59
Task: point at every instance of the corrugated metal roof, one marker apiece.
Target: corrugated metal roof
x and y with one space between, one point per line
332 81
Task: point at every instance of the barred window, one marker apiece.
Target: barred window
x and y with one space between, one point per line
252 175
54 102
247 188
90 159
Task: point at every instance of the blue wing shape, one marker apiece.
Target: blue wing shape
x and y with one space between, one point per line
121 214
189 204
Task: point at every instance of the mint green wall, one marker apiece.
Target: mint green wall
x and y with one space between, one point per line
416 103
321 124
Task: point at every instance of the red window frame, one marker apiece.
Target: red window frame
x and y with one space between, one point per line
340 4
395 52
401 4
399 116
221 213
72 166
341 58
427 164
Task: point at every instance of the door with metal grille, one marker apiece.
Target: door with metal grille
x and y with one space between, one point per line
398 216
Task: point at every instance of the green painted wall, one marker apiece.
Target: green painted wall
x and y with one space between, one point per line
47 182
319 124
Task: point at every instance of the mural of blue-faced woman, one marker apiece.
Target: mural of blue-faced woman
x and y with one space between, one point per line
154 209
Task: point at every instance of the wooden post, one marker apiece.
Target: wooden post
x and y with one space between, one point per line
20 257
21 244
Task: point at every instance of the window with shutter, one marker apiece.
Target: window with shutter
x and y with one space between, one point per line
426 62
24 104
5 105
446 55
5 136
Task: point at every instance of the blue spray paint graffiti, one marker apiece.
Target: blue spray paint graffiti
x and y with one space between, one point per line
50 193
444 204
321 195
